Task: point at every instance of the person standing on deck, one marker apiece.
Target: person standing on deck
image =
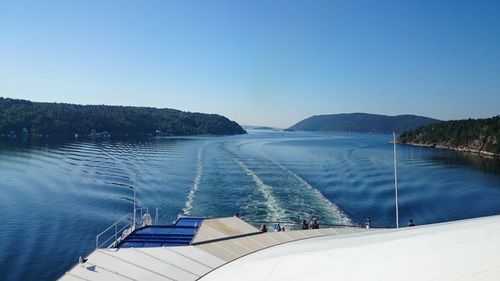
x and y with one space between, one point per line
304 225
277 227
314 224
263 228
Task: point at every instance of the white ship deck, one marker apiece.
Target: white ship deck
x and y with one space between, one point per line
217 242
229 248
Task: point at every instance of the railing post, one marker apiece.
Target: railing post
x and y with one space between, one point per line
116 226
134 221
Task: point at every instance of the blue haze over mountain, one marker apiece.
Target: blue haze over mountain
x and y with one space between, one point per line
362 122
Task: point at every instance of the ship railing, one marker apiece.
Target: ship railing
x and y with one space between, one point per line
290 225
119 230
111 235
140 212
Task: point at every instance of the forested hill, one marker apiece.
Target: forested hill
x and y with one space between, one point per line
362 122
39 118
474 135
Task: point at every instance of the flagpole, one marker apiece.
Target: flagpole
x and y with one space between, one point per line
395 179
135 184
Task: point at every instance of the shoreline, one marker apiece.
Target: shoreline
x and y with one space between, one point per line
481 153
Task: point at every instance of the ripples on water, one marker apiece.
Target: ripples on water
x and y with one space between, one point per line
56 196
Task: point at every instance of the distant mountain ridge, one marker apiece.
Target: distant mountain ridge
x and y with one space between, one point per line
253 127
362 122
41 119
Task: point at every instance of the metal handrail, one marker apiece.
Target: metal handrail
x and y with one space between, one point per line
297 225
118 239
115 226
118 231
144 211
141 210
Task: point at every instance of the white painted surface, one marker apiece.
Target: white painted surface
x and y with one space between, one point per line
162 263
463 250
184 262
222 228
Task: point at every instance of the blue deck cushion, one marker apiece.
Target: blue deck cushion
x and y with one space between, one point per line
166 230
188 221
179 234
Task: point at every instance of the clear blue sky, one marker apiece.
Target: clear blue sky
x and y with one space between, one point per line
257 62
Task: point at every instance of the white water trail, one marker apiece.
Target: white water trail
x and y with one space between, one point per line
274 210
335 211
188 206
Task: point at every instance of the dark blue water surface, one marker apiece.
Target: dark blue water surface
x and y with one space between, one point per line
56 196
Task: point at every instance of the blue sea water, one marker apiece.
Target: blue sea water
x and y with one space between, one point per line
55 196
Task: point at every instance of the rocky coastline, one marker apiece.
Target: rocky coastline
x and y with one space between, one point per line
466 149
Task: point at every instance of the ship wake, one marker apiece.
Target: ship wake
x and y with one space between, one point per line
188 206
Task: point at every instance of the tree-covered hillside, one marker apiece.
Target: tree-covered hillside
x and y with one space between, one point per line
362 122
39 118
477 135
